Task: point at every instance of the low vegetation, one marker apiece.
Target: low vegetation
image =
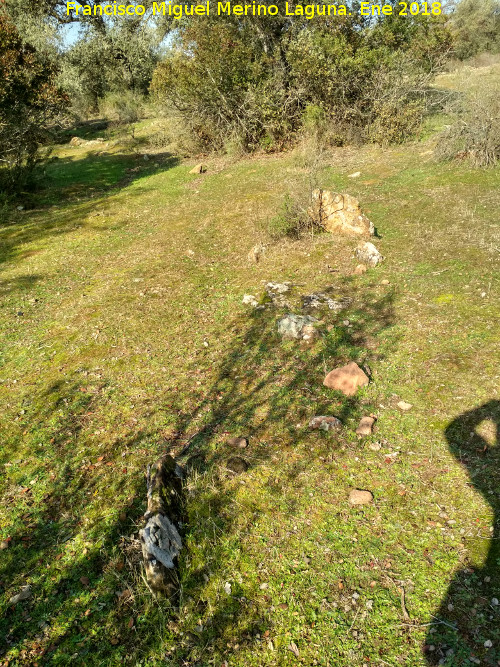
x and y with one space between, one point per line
124 336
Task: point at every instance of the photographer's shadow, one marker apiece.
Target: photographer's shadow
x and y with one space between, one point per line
466 629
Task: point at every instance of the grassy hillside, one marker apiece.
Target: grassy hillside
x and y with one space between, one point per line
123 336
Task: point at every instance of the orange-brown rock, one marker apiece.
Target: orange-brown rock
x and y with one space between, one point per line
347 379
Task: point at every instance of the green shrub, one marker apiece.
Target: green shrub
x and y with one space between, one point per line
292 221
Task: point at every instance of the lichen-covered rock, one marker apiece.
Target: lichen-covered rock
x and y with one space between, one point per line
319 300
296 326
339 214
368 254
160 537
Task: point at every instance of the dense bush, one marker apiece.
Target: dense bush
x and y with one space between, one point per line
254 80
29 102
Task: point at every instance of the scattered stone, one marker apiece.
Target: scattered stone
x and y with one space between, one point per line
356 174
359 497
256 253
250 300
375 446
239 443
385 282
488 643
145 158
346 379
366 426
325 423
368 254
494 602
24 594
199 169
402 405
227 588
4 545
264 586
75 141
320 300
20 208
237 465
339 213
360 269
297 326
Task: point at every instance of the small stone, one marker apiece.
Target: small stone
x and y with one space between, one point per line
20 208
375 446
356 174
250 300
237 465
360 269
346 379
402 405
227 588
325 423
385 282
359 497
365 426
24 594
199 169
20 313
239 443
263 587
488 643
494 602
4 545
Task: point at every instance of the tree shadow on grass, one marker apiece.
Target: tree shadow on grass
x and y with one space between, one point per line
467 628
266 390
262 389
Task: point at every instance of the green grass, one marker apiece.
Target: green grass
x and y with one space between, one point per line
104 315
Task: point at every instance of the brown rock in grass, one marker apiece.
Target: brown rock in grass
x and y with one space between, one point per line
366 426
359 497
360 269
346 379
238 443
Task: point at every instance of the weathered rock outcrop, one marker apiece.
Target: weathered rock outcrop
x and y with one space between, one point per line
339 214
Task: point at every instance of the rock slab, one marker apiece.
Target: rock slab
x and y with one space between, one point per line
347 379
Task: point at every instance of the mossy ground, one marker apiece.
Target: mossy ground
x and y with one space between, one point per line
123 336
